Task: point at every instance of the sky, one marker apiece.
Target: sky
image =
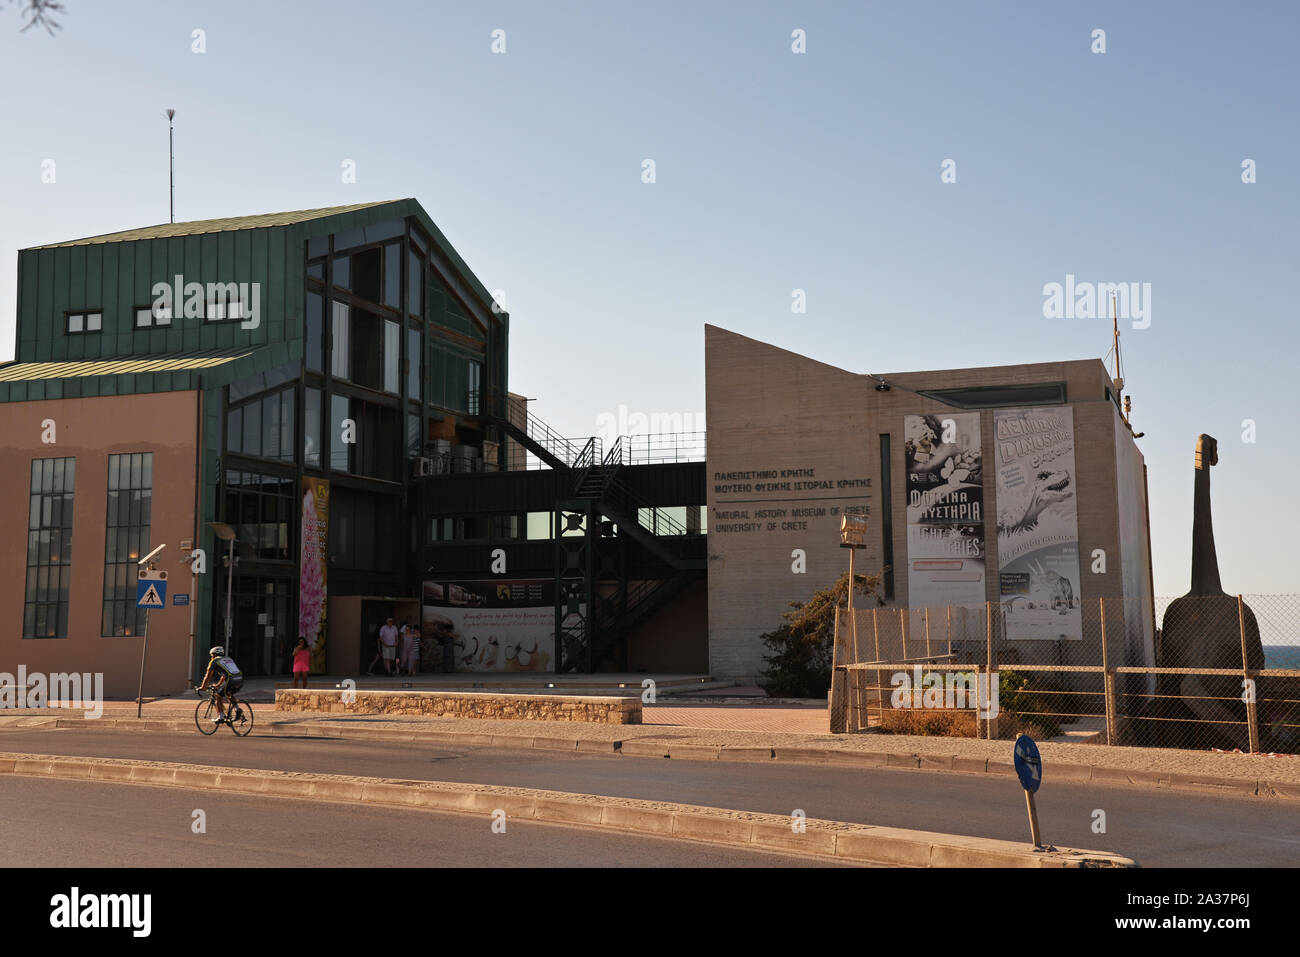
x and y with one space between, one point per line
774 171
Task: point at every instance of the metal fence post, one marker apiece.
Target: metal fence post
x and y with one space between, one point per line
1249 690
902 628
875 628
927 632
988 630
1108 680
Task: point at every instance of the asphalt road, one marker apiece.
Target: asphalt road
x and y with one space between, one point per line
52 823
1156 828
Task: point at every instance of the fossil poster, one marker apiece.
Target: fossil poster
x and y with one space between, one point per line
1038 523
493 625
945 510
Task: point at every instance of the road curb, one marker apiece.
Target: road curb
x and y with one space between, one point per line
829 840
660 748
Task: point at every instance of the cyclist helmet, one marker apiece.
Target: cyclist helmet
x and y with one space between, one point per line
216 651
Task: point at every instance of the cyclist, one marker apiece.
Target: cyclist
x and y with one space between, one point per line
225 676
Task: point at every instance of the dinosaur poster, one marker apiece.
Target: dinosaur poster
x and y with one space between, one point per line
1038 523
494 625
945 510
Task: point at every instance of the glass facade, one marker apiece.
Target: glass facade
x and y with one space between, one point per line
49 548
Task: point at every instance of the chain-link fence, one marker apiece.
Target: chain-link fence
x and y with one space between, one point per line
1215 671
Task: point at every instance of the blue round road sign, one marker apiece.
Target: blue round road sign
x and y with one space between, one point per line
1029 766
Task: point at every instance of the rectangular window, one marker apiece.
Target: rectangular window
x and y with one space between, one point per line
392 356
253 428
475 387
414 367
367 366
415 284
311 443
49 548
146 316
81 322
316 270
235 430
341 354
539 525
339 449
129 517
393 275
342 272
366 269
225 303
315 331
287 448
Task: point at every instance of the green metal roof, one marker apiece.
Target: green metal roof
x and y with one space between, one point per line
170 362
166 230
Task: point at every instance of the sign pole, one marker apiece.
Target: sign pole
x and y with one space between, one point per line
1033 819
144 653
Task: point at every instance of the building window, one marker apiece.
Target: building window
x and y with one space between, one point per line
339 449
146 316
263 428
475 387
393 275
415 285
311 443
49 549
999 396
225 305
341 351
130 504
315 331
392 357
82 322
260 509
414 369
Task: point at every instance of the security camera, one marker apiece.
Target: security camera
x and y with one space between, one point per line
152 554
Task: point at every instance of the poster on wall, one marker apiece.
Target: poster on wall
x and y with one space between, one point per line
493 625
945 510
1038 523
314 568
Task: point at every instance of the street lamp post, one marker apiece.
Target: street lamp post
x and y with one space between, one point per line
227 534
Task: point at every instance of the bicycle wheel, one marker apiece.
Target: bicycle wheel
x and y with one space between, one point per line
242 721
204 712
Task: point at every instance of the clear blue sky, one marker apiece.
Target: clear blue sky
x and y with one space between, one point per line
775 171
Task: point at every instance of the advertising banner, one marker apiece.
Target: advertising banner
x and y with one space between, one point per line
945 510
1038 523
314 565
493 625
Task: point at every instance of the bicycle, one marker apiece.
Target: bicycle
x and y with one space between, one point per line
239 714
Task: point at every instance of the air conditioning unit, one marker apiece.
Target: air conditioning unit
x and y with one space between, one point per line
423 467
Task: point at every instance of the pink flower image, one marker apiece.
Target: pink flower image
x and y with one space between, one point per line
311 590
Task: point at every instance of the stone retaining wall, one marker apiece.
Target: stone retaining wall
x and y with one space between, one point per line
464 704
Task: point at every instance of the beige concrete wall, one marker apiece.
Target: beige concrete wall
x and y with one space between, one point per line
770 409
90 430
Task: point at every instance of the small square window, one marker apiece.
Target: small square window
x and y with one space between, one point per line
75 320
143 318
94 321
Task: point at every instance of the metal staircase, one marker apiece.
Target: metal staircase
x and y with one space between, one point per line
596 605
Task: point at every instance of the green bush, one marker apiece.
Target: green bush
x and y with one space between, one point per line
803 646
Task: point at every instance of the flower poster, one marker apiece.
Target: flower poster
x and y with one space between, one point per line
314 564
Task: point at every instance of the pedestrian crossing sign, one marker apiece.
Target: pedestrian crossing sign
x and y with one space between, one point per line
151 589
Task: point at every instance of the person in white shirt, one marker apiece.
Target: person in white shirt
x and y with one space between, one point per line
388 645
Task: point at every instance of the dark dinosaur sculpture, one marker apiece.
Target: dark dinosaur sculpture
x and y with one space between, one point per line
1202 630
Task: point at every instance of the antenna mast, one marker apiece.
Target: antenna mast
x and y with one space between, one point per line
171 168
